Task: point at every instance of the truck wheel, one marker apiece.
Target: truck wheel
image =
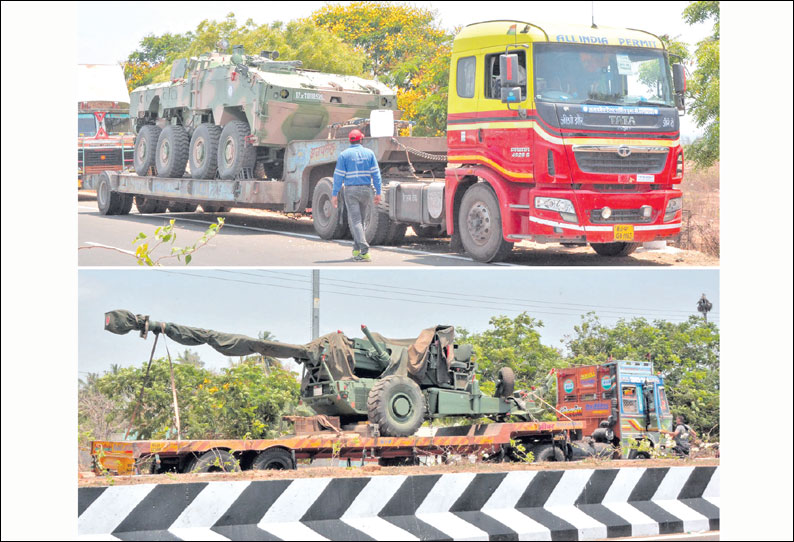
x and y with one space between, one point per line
125 203
506 383
145 149
181 207
107 201
213 461
150 205
172 152
614 249
204 151
428 232
376 226
396 406
396 233
480 224
273 459
548 452
234 154
328 221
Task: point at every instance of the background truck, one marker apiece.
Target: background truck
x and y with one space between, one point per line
567 134
617 402
105 140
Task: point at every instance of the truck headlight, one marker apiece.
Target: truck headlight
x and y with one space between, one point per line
673 206
555 204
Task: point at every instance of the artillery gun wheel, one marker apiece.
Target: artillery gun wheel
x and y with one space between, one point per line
146 149
506 383
548 452
204 151
109 202
614 249
150 205
396 406
234 154
213 461
480 224
328 223
273 459
172 152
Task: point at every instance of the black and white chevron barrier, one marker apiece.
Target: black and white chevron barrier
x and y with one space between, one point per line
575 504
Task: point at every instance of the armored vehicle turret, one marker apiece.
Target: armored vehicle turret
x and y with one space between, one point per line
232 115
395 384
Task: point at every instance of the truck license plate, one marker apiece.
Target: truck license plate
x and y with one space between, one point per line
624 232
318 390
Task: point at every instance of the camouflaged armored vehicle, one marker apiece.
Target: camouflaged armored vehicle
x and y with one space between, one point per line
231 116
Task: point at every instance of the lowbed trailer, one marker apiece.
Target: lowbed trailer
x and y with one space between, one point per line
547 440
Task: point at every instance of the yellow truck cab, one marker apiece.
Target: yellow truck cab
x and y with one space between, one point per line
562 133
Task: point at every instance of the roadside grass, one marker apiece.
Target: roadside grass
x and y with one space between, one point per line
700 229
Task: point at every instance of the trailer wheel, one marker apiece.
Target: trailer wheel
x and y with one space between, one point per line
328 221
234 153
172 152
376 225
506 383
145 149
614 249
274 459
150 205
480 224
204 151
181 207
214 461
548 452
109 202
396 406
396 233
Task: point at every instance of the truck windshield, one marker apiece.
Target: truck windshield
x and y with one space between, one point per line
601 75
117 123
86 124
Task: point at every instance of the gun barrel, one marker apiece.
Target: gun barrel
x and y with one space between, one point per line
378 349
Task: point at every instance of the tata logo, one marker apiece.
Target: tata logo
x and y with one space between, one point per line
622 120
623 151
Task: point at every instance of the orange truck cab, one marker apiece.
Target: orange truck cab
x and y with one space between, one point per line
562 134
616 401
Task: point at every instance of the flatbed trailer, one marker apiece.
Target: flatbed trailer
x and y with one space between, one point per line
497 441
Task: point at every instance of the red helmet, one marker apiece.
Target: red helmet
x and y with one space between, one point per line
355 135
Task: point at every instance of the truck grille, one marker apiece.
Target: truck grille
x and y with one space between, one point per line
112 157
610 162
619 216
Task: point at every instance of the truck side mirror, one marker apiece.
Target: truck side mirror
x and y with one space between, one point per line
679 85
511 95
508 70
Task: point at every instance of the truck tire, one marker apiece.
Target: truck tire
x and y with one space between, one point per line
396 406
150 205
428 232
614 249
211 208
396 233
145 149
376 226
548 452
480 224
328 221
181 207
506 384
234 154
214 460
109 202
274 459
172 152
204 151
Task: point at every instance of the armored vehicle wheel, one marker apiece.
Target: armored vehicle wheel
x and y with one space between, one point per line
396 406
204 151
327 219
150 205
548 452
145 149
172 151
480 225
213 461
109 202
506 383
234 153
273 459
396 233
614 249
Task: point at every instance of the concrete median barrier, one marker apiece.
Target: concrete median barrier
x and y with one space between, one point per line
576 504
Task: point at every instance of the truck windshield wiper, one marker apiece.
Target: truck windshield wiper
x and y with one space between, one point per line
662 104
590 101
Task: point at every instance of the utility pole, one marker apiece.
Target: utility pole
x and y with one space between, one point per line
315 303
704 306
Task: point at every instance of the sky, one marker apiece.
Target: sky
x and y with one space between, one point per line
396 303
103 43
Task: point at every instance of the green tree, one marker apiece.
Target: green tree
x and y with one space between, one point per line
703 86
190 357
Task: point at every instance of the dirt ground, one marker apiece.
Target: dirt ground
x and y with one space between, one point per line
92 480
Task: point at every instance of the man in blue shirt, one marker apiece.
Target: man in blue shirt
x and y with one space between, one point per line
357 169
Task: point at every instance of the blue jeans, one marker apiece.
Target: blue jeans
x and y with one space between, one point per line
358 200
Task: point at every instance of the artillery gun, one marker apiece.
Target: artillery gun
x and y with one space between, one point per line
395 384
231 116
